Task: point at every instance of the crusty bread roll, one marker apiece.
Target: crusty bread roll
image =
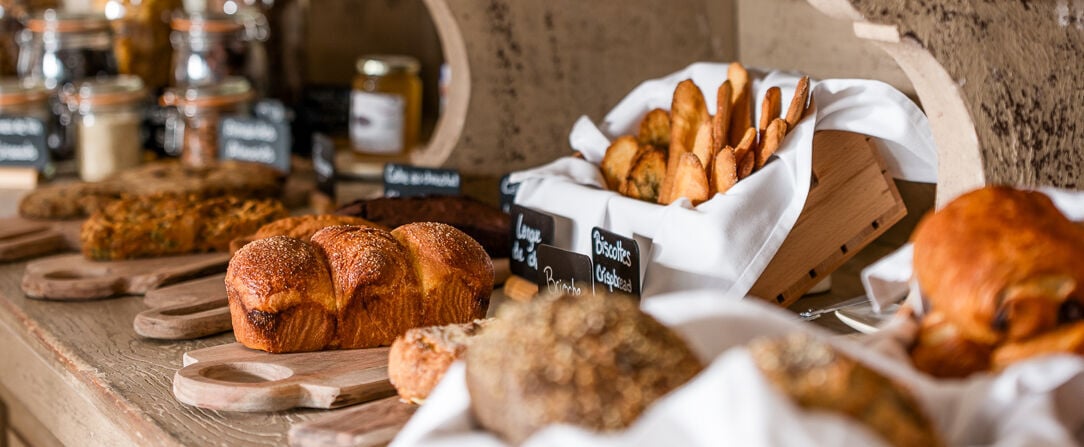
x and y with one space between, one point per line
1000 271
817 376
595 361
355 287
418 359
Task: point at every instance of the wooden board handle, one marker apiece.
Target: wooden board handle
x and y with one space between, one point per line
240 386
186 321
62 284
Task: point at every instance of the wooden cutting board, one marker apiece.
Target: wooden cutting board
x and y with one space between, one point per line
21 238
199 308
187 310
367 425
73 277
234 378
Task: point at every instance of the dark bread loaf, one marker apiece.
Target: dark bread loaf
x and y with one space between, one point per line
486 224
1001 273
299 227
595 361
355 287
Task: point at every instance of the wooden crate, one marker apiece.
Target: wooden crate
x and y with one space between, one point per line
852 200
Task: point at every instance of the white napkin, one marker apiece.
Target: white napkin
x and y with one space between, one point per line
1031 403
725 243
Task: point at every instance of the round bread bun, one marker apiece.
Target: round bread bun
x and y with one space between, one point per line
592 361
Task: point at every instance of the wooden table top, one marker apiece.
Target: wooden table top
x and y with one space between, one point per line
80 368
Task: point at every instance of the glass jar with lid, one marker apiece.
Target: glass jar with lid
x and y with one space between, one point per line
58 48
207 48
385 105
192 129
24 98
141 41
108 118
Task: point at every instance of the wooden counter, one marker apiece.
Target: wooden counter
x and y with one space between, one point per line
76 373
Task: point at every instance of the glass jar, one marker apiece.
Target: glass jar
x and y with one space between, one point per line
142 30
108 117
207 48
21 98
59 48
192 128
385 105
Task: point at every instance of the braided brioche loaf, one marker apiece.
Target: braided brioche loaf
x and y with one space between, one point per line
355 287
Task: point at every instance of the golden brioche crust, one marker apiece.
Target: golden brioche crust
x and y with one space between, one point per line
349 287
455 273
996 266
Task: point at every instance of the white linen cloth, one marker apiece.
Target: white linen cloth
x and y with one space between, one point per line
729 403
723 244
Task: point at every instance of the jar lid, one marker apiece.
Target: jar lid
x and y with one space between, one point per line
52 20
385 64
17 92
206 23
229 91
105 91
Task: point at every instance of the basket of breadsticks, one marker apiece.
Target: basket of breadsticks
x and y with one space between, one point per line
753 182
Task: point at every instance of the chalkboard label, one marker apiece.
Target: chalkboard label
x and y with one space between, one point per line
563 271
530 229
409 181
507 193
255 140
22 142
617 262
323 163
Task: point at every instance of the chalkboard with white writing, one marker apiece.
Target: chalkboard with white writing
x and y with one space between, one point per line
563 271
411 181
22 142
530 229
507 191
617 262
255 140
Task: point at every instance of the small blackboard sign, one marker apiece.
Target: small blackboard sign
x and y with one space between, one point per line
563 271
410 181
323 164
617 262
530 229
507 193
272 110
255 139
22 142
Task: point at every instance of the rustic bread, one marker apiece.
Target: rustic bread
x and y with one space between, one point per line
486 224
595 361
418 359
817 376
170 224
355 287
299 227
81 199
1001 274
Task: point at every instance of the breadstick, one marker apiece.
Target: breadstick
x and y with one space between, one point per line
687 112
720 123
691 180
797 108
773 138
770 108
724 171
702 147
741 102
745 153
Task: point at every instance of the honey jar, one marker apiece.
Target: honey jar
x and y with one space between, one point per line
385 105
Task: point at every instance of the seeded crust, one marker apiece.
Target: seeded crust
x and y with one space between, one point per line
75 200
171 224
817 376
418 359
592 361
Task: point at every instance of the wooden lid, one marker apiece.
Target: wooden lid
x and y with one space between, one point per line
51 20
231 90
106 91
15 92
207 23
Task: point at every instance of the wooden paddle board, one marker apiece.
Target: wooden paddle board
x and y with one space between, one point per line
187 310
234 378
371 424
73 277
21 238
